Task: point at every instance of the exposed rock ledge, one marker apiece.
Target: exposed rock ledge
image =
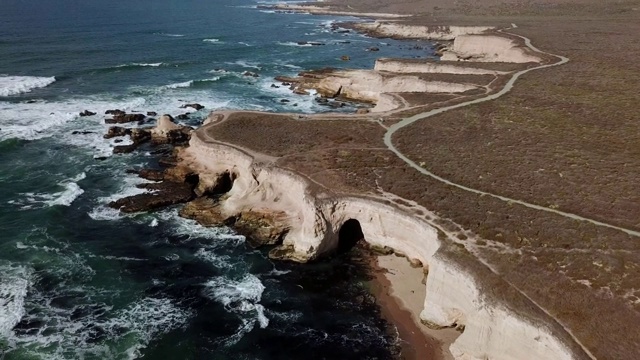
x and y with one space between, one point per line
498 322
404 66
394 30
488 48
372 86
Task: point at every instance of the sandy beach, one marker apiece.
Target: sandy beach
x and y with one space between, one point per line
400 291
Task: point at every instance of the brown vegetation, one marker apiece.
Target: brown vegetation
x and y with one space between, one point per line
565 137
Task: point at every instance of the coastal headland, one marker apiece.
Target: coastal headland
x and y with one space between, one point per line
504 173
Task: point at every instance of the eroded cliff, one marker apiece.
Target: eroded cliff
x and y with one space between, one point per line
314 216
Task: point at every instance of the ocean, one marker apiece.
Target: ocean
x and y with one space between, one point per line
79 280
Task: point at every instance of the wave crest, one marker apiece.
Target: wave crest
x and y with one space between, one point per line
14 85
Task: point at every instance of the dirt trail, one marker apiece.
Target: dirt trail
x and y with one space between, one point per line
509 85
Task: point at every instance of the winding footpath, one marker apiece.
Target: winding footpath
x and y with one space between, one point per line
410 120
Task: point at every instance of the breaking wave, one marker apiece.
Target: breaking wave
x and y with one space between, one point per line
13 85
14 282
241 297
39 200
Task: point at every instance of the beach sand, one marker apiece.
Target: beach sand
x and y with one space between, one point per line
400 292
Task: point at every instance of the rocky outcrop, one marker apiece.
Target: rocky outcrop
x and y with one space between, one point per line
167 131
402 31
87 113
260 227
404 66
456 294
195 106
488 48
369 86
121 118
138 137
164 194
206 211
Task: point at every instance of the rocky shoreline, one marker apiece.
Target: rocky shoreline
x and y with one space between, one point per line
277 207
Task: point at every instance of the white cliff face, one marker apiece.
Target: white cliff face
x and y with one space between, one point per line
397 66
491 331
488 48
369 86
452 296
421 32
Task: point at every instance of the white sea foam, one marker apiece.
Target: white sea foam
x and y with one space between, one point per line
105 213
119 258
40 119
190 83
305 103
291 66
64 251
172 257
71 192
141 65
276 272
63 335
179 85
128 188
150 317
289 316
241 297
291 43
215 78
210 256
190 228
13 85
14 282
246 64
212 40
170 35
66 197
233 292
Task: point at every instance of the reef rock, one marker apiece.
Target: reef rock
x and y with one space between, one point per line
125 118
164 194
195 106
87 113
206 211
262 227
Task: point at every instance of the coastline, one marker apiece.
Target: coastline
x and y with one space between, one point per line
492 189
487 307
399 291
461 292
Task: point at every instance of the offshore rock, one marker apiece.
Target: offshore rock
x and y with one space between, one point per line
138 136
195 106
125 118
87 113
116 131
166 193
